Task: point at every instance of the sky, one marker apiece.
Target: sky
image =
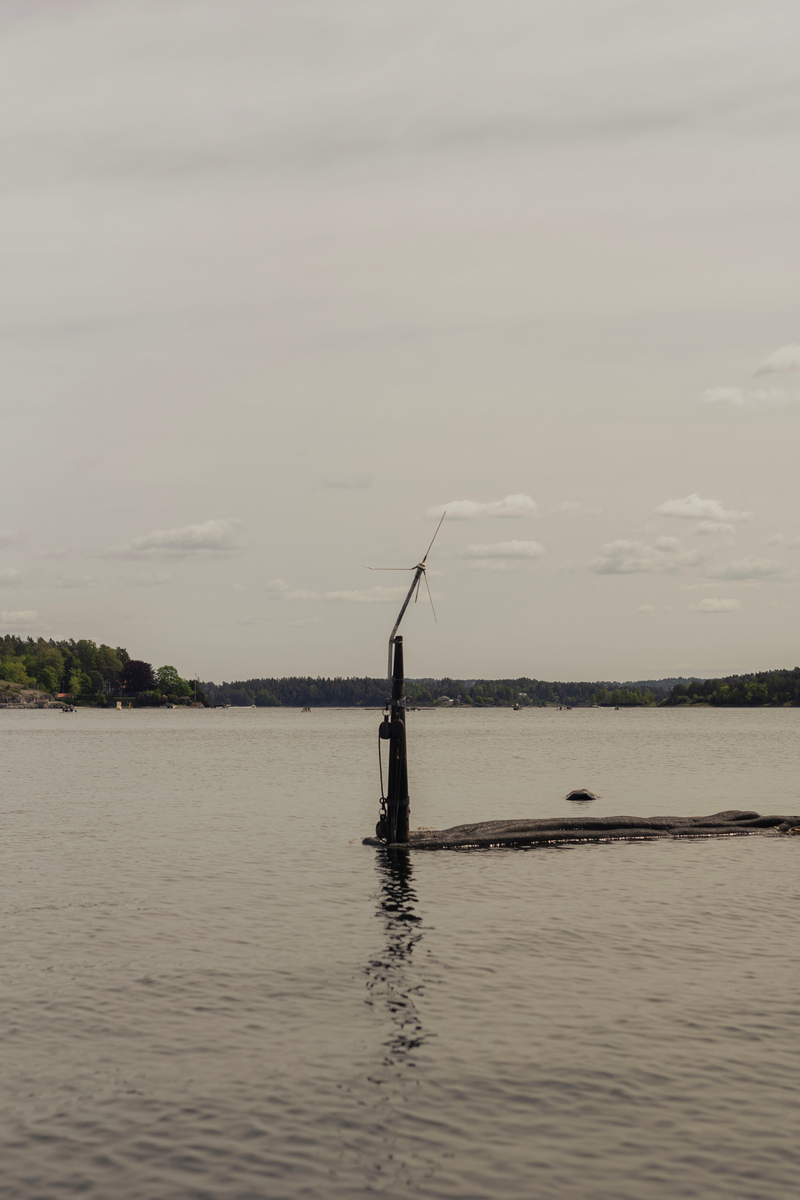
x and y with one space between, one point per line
282 281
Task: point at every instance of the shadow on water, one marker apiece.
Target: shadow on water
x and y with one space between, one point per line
394 983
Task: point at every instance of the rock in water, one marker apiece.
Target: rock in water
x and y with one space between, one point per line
564 830
581 794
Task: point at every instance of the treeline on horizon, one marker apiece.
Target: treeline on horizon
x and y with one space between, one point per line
770 688
92 674
776 689
300 692
87 673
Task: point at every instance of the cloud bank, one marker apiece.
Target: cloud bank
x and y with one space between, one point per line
739 398
470 510
219 537
785 359
715 606
284 590
504 550
694 506
710 527
19 620
374 595
749 568
665 557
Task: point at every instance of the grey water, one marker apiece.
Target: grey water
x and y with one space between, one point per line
211 989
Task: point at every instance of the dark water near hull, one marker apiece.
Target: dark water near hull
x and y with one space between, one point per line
211 989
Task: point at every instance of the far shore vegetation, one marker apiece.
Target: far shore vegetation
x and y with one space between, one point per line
81 672
87 674
770 688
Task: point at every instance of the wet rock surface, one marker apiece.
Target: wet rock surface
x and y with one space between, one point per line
549 831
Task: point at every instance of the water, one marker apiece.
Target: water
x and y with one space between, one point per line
211 989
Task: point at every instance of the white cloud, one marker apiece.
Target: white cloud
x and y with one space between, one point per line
714 527
493 564
19 620
222 536
774 398
760 398
9 577
284 591
778 539
503 550
7 538
469 510
374 595
694 507
724 395
156 579
73 581
645 608
348 479
752 584
785 359
252 620
749 568
563 506
715 606
237 587
622 557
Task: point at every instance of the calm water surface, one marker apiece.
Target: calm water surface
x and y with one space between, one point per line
211 989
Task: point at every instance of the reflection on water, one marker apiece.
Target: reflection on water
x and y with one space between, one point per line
392 983
396 979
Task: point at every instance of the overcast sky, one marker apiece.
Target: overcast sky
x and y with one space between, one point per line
281 280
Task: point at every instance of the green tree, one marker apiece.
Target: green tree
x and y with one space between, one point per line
86 654
13 670
79 683
110 663
170 683
48 679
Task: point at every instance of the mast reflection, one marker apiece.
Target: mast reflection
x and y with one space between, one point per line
392 984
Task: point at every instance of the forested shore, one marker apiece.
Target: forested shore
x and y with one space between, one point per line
82 672
299 692
765 688
85 673
776 689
